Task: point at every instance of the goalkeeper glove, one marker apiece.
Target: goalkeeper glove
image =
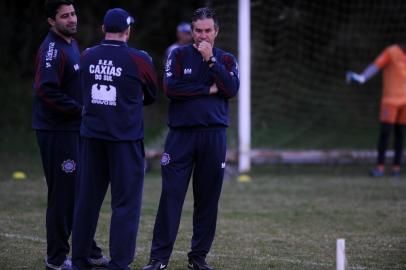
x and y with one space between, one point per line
355 77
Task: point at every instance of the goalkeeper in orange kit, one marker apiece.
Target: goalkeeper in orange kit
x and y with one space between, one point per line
393 104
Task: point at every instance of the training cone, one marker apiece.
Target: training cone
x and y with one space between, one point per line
18 175
244 178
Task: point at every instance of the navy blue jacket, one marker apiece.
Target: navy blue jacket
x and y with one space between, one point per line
187 82
117 81
56 104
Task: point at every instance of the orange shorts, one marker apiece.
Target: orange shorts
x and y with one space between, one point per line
393 114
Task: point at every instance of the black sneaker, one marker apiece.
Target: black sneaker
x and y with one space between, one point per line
155 265
395 171
99 263
66 265
376 172
196 265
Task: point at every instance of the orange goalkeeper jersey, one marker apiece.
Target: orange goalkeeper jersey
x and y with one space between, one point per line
393 63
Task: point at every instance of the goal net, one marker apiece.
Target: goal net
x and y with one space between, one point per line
300 53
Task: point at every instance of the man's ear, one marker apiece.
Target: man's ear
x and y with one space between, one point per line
128 31
51 21
102 28
217 31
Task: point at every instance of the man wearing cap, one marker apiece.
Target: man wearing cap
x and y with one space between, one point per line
183 35
199 80
117 81
56 119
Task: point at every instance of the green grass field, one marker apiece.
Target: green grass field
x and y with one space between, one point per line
287 217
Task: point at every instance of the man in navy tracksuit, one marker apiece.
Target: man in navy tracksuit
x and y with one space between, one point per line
199 80
56 118
117 81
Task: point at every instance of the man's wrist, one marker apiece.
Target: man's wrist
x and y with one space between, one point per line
211 61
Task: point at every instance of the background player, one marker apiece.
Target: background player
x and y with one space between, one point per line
199 80
116 81
393 104
56 118
183 35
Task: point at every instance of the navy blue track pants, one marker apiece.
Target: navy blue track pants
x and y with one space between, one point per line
60 160
120 164
200 152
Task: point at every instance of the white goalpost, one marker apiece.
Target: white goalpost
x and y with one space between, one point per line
340 254
244 96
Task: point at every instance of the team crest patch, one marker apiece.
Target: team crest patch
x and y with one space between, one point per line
165 159
68 166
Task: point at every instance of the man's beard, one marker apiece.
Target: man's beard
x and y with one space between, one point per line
67 32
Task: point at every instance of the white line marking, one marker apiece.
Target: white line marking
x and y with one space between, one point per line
24 237
270 258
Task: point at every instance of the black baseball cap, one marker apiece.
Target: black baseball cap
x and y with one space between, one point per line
184 27
117 20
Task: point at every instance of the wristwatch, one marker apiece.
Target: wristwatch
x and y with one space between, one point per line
211 60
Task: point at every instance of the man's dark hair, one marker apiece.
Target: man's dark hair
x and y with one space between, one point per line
51 7
205 13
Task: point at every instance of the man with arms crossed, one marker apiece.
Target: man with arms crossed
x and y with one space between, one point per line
199 80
